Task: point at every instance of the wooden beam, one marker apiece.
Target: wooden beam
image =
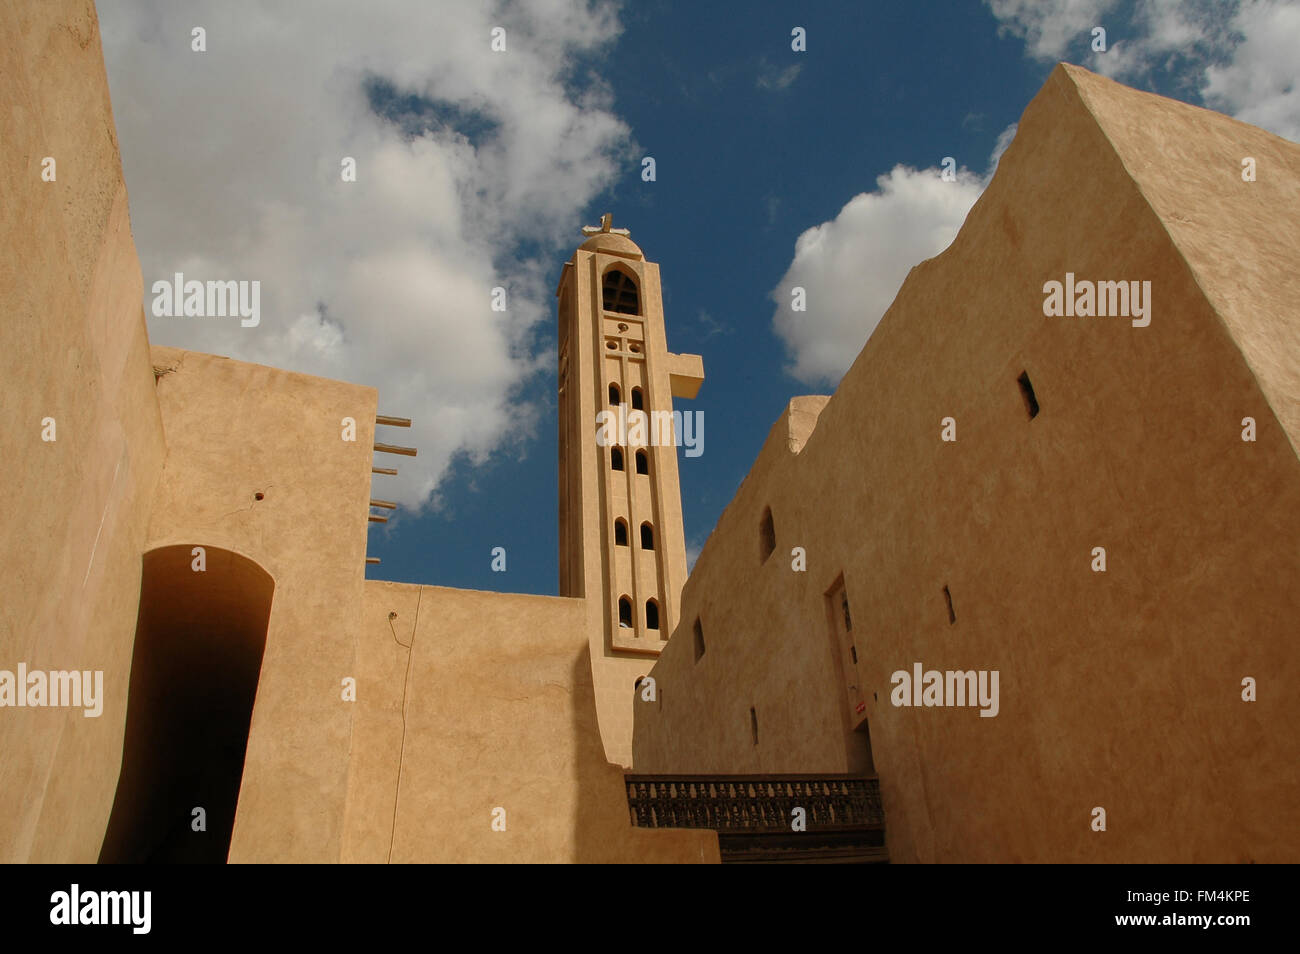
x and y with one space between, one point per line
391 471
392 421
394 449
372 559
375 518
386 504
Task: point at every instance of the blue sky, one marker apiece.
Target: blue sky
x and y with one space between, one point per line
773 168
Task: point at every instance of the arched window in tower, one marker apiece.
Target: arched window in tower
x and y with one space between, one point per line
636 400
624 613
651 614
620 532
616 458
619 293
642 462
647 537
615 397
767 534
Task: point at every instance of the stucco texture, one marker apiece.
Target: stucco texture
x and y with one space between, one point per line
469 702
73 347
1119 689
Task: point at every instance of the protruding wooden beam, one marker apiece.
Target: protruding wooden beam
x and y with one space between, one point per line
394 449
375 518
391 471
392 421
386 504
372 559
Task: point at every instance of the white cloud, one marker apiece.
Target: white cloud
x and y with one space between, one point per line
1239 58
772 77
1261 84
1050 27
852 267
999 147
232 161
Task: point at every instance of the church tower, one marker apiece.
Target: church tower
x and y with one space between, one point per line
622 545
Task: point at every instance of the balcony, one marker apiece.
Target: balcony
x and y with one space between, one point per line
753 814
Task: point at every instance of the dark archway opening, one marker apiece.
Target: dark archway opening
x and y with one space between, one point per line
199 639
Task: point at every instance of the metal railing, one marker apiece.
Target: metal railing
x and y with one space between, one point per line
755 804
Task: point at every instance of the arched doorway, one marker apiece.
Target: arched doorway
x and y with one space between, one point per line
200 635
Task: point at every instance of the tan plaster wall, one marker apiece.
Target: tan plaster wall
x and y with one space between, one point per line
1240 247
492 707
1120 690
73 346
233 430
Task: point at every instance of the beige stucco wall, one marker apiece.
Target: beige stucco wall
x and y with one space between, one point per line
1119 689
234 430
73 347
491 707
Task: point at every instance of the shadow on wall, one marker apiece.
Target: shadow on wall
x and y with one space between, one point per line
601 825
603 830
200 635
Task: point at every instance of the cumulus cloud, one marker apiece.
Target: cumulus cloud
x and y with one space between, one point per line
852 267
1236 57
1050 27
471 168
1261 83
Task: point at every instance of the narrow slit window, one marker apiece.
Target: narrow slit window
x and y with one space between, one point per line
952 617
753 724
766 534
699 640
1027 392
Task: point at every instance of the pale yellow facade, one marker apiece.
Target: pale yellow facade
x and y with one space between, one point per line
195 528
1121 690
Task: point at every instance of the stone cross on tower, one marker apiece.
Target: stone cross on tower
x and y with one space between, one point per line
606 225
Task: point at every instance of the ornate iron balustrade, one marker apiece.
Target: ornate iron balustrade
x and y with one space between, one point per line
755 804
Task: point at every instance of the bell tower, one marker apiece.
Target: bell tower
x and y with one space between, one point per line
622 545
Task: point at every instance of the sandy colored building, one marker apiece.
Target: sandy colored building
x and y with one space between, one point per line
1119 689
194 529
